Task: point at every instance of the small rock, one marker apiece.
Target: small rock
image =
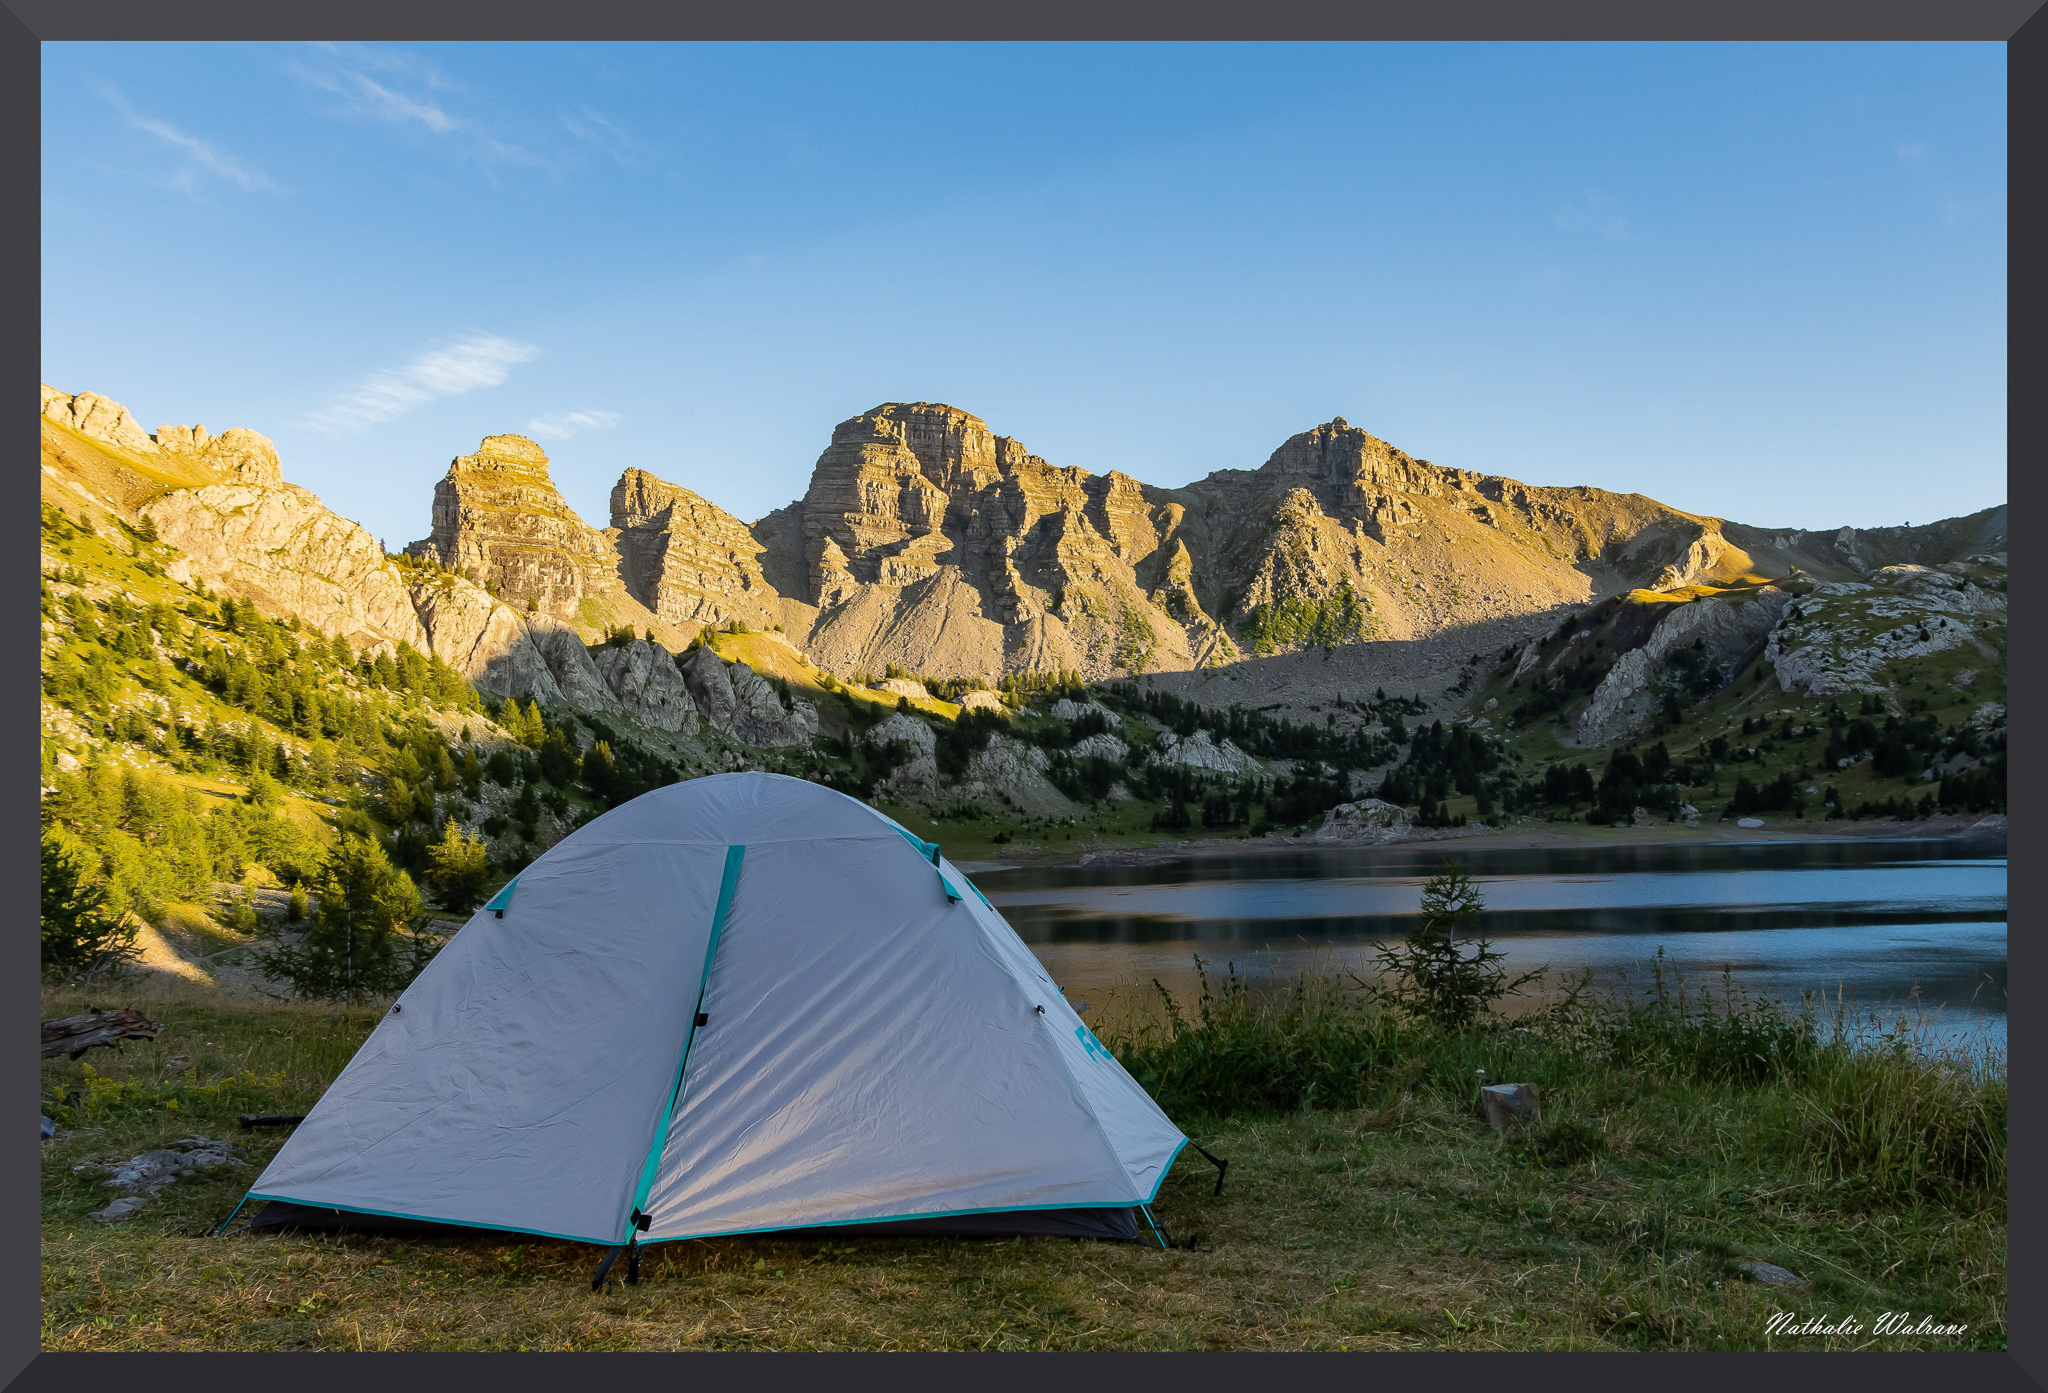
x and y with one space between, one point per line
1772 1275
49 1129
1508 1103
1749 822
119 1210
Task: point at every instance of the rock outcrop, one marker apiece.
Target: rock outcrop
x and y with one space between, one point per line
736 701
97 418
500 521
280 547
1845 635
1102 746
1200 751
1368 820
926 540
686 559
485 641
1725 630
644 678
237 455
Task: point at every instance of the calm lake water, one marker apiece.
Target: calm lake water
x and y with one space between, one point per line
1886 923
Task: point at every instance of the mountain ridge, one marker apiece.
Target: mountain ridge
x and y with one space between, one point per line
926 541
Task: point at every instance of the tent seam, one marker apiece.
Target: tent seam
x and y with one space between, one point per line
650 1167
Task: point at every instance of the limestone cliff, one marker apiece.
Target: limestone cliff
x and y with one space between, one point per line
499 519
688 560
926 540
223 502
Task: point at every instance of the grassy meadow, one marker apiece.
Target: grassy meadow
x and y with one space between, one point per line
1368 1205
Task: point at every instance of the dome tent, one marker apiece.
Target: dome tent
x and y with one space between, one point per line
739 1004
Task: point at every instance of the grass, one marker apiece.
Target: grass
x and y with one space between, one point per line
1393 1218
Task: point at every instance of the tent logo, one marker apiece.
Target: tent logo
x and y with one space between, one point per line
1090 1044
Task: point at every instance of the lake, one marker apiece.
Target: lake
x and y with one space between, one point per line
1883 922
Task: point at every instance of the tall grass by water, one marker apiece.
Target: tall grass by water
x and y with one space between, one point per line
1875 1104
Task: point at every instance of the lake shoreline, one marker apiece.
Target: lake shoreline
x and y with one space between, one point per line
1520 836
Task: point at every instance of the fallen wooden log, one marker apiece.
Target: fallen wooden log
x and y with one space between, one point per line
74 1035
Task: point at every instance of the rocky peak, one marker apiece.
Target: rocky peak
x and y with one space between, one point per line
499 517
92 415
238 455
508 455
639 497
685 558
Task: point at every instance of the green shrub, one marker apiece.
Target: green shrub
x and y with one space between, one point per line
1312 1044
82 932
1679 1033
98 1097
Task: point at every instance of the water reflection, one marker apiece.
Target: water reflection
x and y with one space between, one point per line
1879 922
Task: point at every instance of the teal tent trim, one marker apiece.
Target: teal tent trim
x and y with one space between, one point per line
888 1219
1166 1168
930 852
733 856
503 897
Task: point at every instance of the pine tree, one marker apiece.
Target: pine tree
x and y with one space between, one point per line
1441 971
80 931
351 951
460 864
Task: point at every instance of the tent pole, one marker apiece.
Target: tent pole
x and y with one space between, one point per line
1146 1210
1222 1165
604 1268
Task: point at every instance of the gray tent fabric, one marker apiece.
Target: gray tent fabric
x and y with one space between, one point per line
739 1004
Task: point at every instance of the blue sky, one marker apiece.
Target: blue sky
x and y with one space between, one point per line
1764 282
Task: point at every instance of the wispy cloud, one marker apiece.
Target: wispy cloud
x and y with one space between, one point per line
399 96
607 135
201 156
564 424
1594 213
478 360
1912 151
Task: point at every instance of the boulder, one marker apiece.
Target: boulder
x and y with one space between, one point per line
1751 822
1506 1104
1368 820
978 700
904 687
120 1210
1771 1275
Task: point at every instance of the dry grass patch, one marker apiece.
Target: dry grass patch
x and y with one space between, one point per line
1406 1225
